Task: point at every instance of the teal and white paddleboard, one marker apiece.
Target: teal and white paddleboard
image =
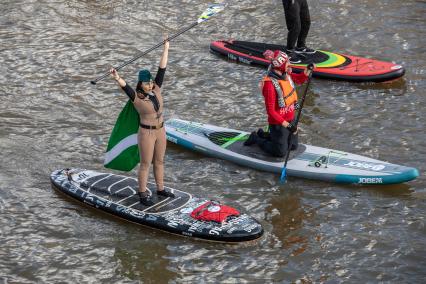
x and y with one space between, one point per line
307 161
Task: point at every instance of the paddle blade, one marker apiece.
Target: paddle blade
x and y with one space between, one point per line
210 12
283 175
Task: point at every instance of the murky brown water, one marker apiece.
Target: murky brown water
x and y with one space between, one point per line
51 117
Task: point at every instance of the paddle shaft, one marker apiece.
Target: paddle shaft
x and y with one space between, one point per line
145 52
297 118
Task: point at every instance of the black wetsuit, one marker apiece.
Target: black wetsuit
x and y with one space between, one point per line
298 22
276 142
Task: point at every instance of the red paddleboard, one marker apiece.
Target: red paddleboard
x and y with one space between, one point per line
330 65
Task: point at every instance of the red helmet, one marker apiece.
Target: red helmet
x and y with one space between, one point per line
279 60
268 54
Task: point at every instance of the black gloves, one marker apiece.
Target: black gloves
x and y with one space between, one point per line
291 127
310 69
296 105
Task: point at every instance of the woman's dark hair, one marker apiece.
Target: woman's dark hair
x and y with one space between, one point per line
139 88
153 98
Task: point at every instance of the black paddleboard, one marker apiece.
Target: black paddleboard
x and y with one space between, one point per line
117 195
329 65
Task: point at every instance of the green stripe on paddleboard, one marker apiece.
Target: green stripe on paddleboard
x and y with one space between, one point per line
232 140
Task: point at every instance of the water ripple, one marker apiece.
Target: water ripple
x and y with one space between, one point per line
51 117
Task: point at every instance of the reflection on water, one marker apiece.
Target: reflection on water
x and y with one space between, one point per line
51 117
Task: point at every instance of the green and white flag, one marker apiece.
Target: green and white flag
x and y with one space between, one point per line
122 152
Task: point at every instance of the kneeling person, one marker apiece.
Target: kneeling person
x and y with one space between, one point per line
278 90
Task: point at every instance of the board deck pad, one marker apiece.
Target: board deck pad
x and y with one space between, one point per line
307 161
330 65
123 190
234 141
117 195
257 153
257 49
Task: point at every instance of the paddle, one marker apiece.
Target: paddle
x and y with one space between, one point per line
210 12
284 170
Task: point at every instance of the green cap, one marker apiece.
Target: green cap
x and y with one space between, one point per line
145 76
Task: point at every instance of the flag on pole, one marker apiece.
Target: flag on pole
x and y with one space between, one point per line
122 152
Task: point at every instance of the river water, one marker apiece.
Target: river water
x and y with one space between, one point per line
51 117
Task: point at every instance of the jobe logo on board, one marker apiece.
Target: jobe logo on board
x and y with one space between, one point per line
363 165
370 180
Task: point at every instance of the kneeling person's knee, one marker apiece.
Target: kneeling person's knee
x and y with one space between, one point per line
280 150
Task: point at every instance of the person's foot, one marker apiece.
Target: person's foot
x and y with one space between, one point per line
293 56
305 50
262 134
165 193
145 199
251 139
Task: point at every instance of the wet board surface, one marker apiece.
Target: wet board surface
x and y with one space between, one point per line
330 65
307 161
235 143
117 195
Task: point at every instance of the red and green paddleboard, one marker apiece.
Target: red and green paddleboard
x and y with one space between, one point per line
330 65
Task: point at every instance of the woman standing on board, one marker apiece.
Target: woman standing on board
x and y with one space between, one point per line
152 142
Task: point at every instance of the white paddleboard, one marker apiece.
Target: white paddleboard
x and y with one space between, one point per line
307 161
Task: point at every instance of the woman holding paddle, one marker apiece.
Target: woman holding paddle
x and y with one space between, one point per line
148 102
281 101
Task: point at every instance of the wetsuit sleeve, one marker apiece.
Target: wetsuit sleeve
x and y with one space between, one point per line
160 76
129 92
270 96
299 79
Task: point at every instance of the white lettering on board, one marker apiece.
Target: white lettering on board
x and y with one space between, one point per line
363 165
370 180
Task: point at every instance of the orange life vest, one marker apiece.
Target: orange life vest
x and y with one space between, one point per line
286 88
